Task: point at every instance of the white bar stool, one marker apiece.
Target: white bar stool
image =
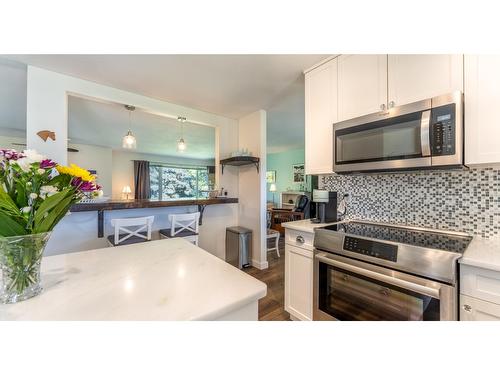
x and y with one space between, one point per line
274 234
183 226
135 230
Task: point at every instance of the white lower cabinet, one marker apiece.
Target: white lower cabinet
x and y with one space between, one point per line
473 309
479 293
299 282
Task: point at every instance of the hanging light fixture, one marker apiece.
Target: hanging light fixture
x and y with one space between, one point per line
181 143
129 140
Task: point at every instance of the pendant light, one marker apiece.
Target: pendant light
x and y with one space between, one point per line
129 140
181 143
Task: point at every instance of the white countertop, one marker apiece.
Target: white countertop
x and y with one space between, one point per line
167 279
483 252
303 225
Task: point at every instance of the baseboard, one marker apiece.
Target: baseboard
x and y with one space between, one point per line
260 265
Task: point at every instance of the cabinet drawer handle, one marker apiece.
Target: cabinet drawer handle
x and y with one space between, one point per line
300 239
467 308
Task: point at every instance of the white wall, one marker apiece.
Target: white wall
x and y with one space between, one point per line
47 110
252 185
123 167
96 158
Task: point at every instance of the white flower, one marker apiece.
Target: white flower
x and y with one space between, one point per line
26 209
40 171
47 190
33 156
30 157
33 195
28 183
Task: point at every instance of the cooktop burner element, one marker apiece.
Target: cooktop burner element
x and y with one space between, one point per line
410 236
425 252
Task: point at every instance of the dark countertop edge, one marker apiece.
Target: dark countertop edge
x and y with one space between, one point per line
134 204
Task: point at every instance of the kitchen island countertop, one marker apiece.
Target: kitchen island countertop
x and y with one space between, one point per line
159 280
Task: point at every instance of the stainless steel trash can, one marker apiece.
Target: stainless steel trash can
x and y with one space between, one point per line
238 246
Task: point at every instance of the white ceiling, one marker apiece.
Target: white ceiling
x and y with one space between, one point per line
228 85
104 124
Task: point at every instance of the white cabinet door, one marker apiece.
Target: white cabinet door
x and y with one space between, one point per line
320 114
482 115
298 282
473 309
362 85
416 77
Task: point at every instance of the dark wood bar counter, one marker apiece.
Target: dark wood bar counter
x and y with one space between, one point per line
112 205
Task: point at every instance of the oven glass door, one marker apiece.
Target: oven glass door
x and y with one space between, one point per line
390 139
348 296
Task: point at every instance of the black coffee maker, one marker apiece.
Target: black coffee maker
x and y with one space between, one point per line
326 206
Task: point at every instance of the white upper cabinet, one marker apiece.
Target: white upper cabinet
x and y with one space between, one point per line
416 77
482 103
320 114
362 85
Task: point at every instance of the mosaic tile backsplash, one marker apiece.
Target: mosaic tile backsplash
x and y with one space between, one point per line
465 201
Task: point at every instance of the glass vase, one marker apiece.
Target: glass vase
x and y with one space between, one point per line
20 260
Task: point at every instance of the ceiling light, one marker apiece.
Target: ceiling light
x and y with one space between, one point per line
181 143
129 140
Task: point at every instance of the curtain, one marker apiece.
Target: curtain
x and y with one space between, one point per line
141 178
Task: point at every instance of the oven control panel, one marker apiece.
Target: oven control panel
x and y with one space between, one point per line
443 130
371 248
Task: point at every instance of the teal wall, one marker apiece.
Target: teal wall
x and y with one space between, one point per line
282 162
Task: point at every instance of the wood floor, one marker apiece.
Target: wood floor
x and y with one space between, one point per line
272 306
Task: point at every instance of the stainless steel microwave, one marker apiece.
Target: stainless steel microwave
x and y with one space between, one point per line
424 134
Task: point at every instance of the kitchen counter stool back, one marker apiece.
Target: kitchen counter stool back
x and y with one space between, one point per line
184 226
131 230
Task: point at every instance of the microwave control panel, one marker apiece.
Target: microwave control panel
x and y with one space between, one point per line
371 248
442 130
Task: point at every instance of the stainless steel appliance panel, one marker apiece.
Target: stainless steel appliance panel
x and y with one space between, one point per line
400 138
347 289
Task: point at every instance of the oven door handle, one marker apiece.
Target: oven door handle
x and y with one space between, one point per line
425 290
425 139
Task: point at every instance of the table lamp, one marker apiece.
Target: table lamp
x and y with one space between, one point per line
126 190
272 189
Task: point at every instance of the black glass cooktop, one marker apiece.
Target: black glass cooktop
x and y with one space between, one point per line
433 240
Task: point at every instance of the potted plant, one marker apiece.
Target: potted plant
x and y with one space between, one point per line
35 194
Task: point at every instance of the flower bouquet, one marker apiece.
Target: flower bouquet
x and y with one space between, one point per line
35 194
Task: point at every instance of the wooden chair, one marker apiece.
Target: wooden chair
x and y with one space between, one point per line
131 230
184 226
280 215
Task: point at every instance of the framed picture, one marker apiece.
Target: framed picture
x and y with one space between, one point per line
298 172
271 177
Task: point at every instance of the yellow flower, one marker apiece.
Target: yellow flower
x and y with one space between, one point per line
75 171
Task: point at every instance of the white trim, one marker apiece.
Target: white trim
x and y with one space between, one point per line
324 61
260 265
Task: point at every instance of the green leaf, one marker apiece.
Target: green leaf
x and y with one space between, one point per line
21 199
10 227
54 216
60 180
7 204
49 203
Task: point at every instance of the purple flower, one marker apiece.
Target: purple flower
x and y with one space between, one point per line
47 164
11 154
85 186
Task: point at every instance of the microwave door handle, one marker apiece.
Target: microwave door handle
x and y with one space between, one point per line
425 290
425 139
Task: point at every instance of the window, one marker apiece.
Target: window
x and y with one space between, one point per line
175 182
